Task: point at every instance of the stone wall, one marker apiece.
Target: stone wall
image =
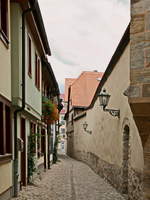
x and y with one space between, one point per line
147 169
135 181
139 94
114 174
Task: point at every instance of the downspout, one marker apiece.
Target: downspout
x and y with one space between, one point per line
16 175
48 136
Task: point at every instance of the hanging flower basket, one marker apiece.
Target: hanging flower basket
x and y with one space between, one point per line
49 111
47 106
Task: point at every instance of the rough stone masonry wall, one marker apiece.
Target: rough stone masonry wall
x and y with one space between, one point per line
140 49
113 174
139 95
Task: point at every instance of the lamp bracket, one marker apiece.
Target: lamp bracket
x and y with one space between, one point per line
114 113
90 132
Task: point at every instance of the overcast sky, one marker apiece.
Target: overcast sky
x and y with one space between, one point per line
83 34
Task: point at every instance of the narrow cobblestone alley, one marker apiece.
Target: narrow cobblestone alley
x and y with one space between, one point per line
69 180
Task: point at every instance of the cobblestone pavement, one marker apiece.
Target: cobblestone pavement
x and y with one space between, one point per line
69 180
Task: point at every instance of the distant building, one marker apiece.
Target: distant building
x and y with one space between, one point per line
79 93
62 129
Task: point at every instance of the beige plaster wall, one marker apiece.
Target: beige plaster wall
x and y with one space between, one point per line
33 102
106 140
5 177
5 63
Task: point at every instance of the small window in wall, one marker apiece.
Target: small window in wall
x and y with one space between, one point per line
4 17
29 57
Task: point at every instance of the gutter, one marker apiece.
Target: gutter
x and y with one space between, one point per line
49 68
16 175
40 24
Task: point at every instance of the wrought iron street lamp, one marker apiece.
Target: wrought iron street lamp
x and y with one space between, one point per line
104 99
85 125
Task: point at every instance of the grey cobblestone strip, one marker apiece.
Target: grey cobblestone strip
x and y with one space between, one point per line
69 180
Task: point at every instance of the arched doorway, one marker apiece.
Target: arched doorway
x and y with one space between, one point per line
125 170
146 178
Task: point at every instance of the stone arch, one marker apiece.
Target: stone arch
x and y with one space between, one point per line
146 177
125 163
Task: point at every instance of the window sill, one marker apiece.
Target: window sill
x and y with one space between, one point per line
4 39
5 158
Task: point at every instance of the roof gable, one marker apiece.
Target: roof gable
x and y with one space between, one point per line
84 88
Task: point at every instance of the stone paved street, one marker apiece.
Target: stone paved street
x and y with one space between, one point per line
69 180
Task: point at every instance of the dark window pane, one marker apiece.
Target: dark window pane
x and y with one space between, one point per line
4 16
8 130
1 130
29 57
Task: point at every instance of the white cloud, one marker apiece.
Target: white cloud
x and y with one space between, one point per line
83 34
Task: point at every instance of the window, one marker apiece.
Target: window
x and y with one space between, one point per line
62 130
38 142
5 129
8 129
33 136
63 122
43 141
37 71
29 58
4 18
2 149
72 119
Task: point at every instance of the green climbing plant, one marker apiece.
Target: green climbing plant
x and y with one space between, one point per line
31 157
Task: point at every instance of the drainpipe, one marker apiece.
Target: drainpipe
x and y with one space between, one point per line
16 175
48 158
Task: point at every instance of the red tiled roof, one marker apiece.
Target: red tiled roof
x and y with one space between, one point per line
84 87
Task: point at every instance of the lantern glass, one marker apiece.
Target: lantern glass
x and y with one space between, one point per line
104 98
85 125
